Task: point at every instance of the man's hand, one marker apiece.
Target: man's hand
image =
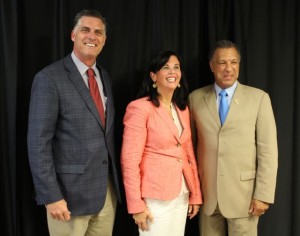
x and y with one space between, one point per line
59 210
258 208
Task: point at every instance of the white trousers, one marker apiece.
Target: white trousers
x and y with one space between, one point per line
169 217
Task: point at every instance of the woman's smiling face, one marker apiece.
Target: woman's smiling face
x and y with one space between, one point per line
168 77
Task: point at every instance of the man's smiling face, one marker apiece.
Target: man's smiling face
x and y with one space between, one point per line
89 37
225 66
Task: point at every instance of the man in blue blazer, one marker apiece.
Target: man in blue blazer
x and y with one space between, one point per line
71 151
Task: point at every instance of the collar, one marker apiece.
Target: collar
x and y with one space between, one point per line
229 91
80 65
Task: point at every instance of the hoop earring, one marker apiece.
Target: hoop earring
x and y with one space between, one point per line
154 85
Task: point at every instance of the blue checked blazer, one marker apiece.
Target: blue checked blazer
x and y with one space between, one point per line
70 153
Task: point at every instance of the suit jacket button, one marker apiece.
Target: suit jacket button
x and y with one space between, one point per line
104 162
178 145
179 159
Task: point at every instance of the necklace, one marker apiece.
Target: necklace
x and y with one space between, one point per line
170 109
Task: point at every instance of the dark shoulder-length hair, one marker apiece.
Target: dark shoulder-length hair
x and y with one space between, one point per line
157 61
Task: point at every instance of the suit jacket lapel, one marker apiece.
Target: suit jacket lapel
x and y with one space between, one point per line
110 111
234 105
210 101
81 87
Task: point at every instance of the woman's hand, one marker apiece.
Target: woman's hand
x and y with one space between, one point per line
141 219
193 210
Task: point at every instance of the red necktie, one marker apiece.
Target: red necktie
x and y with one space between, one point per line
94 90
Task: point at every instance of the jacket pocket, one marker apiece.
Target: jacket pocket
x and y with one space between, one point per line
248 175
69 169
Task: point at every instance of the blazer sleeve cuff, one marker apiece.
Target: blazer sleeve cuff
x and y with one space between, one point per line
136 207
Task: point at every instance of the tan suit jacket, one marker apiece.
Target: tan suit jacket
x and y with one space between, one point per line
237 162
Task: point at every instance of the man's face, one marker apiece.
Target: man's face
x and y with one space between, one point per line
89 38
225 65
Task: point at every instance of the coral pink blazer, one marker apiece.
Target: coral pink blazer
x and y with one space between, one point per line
154 157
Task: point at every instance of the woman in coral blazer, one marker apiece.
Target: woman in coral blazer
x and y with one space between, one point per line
158 162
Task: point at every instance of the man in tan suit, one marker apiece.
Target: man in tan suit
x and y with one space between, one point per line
238 157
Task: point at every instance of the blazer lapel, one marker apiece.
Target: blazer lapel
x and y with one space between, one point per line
162 113
185 121
81 87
